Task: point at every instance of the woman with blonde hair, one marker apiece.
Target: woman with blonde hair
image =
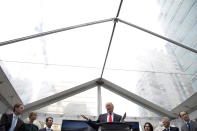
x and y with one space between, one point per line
29 126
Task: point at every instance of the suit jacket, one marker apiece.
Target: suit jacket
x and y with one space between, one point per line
193 126
6 122
29 127
103 118
44 129
173 129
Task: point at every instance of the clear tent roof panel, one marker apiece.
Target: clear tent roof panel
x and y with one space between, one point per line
56 62
149 67
173 19
33 83
86 103
82 103
137 61
142 13
122 105
29 17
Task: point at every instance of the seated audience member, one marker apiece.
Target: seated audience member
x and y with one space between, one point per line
49 123
12 122
166 124
188 125
29 126
148 127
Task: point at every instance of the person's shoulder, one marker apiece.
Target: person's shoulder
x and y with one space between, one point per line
103 114
174 128
117 115
194 122
183 126
7 115
4 114
35 126
20 120
42 129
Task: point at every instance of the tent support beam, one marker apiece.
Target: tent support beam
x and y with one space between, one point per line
53 31
160 36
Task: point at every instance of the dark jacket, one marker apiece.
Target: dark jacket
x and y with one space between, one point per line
29 127
103 118
6 122
173 129
44 129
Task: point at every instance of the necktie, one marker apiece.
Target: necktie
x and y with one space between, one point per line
188 125
110 118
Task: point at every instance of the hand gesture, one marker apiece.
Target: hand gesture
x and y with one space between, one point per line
85 117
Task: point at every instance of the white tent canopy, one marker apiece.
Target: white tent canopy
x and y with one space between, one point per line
67 53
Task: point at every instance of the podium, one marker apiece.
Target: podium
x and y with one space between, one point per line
113 126
76 125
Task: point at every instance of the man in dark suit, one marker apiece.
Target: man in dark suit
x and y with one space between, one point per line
188 125
166 124
49 123
12 122
110 116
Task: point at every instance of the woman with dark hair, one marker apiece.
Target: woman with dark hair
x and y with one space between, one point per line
29 126
148 126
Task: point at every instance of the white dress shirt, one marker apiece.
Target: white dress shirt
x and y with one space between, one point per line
48 129
112 114
14 121
167 129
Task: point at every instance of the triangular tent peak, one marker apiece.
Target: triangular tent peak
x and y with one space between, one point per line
132 47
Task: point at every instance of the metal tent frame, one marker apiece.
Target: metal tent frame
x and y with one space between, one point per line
9 97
